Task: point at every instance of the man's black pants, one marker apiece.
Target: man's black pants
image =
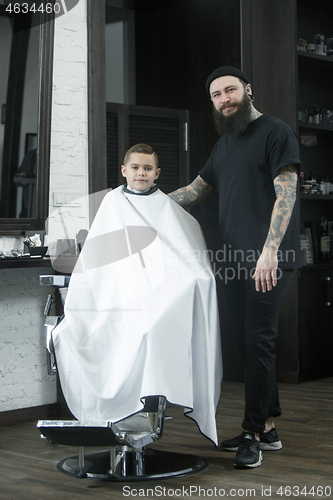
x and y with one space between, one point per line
254 321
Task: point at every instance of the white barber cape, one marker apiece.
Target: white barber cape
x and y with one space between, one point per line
141 315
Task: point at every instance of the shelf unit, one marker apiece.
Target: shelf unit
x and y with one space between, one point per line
281 77
307 316
314 87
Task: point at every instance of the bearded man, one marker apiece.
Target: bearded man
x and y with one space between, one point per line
254 168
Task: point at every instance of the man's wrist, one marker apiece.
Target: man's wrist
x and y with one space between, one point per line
271 248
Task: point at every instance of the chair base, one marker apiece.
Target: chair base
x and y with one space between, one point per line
157 465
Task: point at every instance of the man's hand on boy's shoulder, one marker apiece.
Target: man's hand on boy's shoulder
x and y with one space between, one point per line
192 194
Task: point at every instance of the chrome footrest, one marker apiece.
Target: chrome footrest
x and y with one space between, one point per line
92 433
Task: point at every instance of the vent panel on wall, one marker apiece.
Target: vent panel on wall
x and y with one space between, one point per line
163 135
163 129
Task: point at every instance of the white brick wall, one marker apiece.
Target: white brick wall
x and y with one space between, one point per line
23 372
69 137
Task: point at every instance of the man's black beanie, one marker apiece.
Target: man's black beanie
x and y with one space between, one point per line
224 71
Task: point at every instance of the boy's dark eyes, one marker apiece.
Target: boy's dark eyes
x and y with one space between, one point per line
134 167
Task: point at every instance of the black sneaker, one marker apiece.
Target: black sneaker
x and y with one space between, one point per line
249 453
268 441
231 444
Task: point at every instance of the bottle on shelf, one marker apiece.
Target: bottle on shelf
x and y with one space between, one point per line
324 240
317 117
313 179
299 114
329 42
302 113
319 39
327 184
310 116
302 44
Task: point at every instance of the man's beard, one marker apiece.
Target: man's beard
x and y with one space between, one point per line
237 122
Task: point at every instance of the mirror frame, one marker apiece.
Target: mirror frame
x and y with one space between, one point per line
96 99
18 226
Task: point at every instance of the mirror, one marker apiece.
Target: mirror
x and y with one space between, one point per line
26 50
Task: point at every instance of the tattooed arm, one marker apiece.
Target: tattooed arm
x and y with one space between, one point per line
285 185
192 194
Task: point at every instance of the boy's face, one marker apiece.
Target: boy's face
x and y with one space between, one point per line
140 171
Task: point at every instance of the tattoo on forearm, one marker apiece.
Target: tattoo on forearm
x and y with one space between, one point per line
285 185
192 194
276 225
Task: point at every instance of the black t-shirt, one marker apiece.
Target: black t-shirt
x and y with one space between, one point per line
242 169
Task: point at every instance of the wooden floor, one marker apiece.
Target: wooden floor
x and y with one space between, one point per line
303 468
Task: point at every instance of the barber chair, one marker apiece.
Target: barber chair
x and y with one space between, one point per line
125 456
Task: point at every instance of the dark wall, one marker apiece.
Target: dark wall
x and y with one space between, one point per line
178 44
269 56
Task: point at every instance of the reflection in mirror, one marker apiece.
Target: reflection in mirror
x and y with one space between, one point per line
19 60
120 51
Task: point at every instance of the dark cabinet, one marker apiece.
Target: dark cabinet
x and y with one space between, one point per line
314 90
314 83
316 323
286 80
304 350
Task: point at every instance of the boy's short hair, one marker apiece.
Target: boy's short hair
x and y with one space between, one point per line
141 148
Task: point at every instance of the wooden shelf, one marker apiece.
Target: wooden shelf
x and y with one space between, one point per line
317 266
317 57
313 126
20 262
322 197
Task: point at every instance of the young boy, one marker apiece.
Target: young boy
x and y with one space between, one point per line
141 315
141 169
